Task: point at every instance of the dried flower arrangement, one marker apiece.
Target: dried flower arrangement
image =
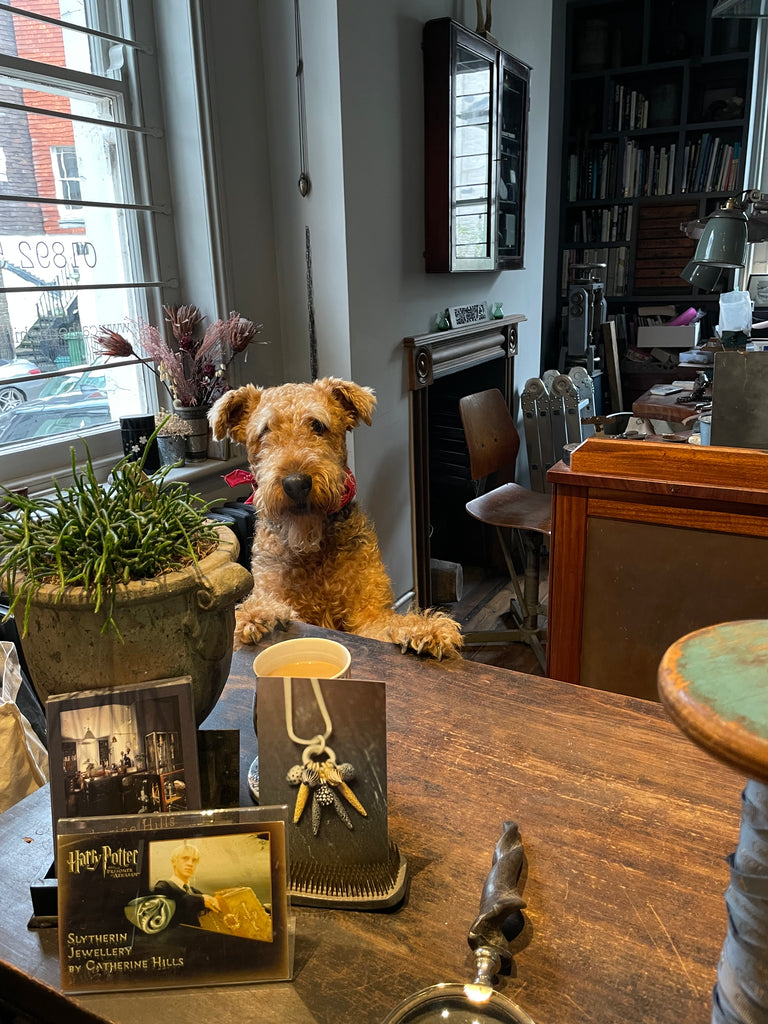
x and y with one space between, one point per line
193 367
170 425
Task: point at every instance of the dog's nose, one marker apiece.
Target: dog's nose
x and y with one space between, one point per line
297 486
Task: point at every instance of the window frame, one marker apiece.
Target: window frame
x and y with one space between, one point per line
64 181
152 245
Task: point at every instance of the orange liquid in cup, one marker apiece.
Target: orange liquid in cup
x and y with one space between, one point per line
307 670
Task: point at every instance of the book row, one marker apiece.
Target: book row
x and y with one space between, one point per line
613 275
629 169
629 111
602 224
710 165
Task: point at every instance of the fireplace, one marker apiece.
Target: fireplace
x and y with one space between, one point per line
442 368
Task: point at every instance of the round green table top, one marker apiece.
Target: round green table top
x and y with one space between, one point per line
714 684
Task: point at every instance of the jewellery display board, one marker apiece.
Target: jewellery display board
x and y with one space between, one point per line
174 900
323 751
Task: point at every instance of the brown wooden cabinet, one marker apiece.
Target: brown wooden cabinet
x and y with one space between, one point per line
476 117
650 541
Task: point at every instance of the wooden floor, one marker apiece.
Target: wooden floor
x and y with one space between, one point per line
484 605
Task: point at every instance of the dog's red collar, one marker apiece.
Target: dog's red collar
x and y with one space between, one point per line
243 476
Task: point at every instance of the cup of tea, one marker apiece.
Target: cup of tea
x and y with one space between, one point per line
304 657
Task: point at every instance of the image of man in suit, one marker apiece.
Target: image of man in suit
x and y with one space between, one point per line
190 902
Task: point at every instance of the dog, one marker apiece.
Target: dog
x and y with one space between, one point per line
316 557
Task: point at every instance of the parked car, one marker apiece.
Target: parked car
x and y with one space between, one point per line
56 415
27 390
91 384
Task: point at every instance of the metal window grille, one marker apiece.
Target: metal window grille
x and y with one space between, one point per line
79 220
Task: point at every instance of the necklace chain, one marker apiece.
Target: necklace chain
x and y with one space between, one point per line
321 705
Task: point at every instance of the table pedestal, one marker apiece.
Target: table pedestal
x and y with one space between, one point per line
714 683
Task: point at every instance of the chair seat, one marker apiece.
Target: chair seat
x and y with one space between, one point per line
514 507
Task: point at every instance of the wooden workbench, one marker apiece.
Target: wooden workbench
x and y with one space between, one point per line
625 824
663 407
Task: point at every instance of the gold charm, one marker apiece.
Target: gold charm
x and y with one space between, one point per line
323 778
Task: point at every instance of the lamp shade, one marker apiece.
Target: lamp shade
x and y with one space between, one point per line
723 242
701 276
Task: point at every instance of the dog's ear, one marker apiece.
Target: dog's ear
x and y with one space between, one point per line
230 413
356 400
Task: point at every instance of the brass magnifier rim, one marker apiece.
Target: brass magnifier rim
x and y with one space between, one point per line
501 1008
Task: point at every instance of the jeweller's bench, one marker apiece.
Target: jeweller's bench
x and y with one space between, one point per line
626 826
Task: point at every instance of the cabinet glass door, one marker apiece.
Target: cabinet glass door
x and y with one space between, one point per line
476 114
473 212
512 117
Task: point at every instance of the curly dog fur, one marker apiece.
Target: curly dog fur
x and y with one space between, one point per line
316 557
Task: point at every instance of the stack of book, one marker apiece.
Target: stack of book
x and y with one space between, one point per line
710 165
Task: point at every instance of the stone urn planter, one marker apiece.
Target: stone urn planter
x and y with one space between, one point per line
178 623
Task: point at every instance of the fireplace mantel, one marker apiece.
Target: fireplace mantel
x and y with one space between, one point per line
434 355
430 357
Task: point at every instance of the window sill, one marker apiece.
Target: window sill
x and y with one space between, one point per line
206 478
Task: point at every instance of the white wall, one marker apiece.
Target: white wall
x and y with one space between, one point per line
390 295
321 212
364 108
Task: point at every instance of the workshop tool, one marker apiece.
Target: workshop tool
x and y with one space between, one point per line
587 311
554 408
500 915
534 402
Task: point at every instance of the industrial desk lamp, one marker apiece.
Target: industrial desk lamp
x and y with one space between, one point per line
723 237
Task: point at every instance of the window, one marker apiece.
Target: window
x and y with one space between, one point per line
64 161
757 173
79 223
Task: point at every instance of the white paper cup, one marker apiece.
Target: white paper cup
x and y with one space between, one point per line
305 657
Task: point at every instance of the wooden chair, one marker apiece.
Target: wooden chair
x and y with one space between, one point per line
493 443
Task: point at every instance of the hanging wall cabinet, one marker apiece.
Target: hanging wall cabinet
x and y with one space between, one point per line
476 116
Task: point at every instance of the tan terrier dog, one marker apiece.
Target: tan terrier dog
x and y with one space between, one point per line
315 555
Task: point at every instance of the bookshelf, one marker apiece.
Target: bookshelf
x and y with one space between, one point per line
656 123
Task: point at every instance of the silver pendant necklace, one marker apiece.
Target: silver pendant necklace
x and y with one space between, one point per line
318 773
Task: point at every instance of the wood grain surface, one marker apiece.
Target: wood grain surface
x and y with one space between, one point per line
624 821
663 407
701 565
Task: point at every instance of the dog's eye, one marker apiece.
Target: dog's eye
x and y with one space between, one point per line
318 427
263 433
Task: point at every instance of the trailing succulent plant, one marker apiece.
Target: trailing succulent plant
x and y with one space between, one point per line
98 536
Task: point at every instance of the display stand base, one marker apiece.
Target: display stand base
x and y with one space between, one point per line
45 894
378 886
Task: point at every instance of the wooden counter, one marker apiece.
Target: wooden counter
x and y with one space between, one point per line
649 542
625 823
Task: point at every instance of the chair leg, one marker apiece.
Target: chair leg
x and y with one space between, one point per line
528 630
519 592
532 569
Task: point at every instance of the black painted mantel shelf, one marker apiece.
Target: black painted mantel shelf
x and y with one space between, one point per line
434 355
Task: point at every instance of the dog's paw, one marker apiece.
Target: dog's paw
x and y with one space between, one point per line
248 632
253 621
432 633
